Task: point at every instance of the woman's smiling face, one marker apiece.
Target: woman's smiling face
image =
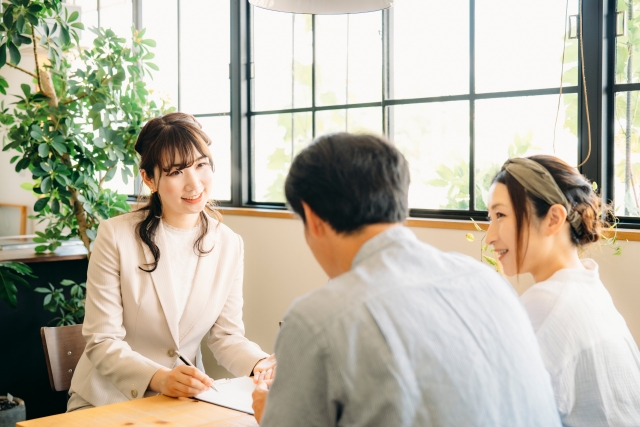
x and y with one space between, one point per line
502 232
186 191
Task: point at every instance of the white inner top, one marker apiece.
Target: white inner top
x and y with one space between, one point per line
184 261
587 348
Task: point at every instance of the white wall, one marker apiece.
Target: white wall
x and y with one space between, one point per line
279 268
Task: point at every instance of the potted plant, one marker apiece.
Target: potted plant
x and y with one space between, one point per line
78 126
12 411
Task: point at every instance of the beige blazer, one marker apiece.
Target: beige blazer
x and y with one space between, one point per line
131 325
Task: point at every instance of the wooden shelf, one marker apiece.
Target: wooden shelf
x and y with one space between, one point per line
63 253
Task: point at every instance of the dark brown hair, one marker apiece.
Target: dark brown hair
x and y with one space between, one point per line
576 188
350 181
161 141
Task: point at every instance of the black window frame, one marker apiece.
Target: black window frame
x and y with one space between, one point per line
599 44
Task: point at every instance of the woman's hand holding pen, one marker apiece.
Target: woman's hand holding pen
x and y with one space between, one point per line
181 381
265 369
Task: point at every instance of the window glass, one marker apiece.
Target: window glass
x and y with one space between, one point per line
348 58
89 17
117 15
423 67
522 126
162 26
434 138
627 155
628 44
277 139
519 45
354 120
219 130
204 56
282 57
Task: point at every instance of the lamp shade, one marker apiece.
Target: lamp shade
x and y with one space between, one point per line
323 7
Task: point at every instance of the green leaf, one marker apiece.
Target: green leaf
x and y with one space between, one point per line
470 237
27 186
41 248
47 299
3 55
20 24
43 149
55 206
67 282
75 15
14 54
43 290
110 174
40 204
59 147
149 42
26 89
152 66
45 186
78 25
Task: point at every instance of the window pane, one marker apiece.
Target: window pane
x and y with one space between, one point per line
118 183
348 58
89 18
516 127
434 138
219 130
627 155
354 120
519 45
162 26
628 71
422 66
204 56
118 16
278 138
282 56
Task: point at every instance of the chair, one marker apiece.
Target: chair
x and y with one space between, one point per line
63 346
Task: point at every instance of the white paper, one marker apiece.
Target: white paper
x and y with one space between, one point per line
233 393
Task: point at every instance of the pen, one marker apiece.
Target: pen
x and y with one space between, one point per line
186 362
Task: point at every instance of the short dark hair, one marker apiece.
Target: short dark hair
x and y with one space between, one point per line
350 181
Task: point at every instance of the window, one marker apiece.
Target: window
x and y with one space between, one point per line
457 108
193 54
458 86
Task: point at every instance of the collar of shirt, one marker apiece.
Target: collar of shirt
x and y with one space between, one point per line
381 241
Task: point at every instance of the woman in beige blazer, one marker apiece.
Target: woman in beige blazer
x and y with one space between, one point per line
144 303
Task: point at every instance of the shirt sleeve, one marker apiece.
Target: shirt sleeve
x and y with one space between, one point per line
300 393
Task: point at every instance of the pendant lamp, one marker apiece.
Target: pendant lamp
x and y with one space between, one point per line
323 7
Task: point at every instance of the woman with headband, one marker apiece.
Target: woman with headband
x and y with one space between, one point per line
542 212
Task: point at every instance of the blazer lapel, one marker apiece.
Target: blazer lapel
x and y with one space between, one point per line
163 282
203 281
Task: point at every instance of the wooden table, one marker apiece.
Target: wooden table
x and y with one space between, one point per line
151 411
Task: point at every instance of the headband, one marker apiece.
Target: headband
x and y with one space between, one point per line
537 180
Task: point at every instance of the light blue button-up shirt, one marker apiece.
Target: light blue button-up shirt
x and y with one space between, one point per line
410 336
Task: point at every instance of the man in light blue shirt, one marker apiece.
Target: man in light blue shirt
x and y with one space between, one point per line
403 334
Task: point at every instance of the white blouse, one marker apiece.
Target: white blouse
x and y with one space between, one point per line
184 261
587 348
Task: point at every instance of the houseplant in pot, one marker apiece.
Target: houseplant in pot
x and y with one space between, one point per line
12 411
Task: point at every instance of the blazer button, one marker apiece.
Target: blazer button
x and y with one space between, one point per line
134 393
171 353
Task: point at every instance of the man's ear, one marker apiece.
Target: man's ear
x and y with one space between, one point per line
555 219
315 226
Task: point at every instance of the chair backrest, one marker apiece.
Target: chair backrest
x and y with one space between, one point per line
63 346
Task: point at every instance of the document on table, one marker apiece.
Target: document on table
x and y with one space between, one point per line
232 393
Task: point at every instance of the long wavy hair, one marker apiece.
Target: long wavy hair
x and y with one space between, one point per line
161 141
